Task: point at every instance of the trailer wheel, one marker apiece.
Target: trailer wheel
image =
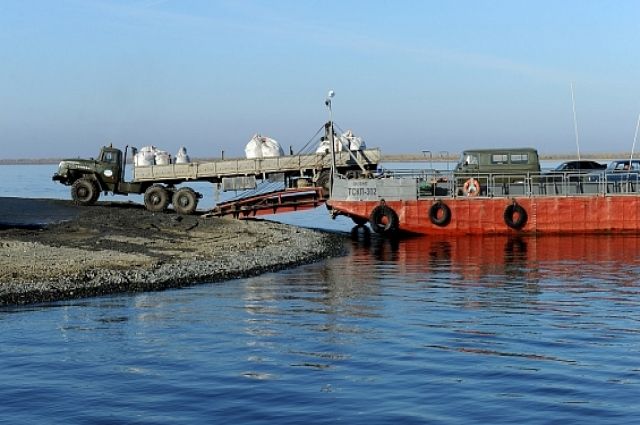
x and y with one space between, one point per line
84 192
185 201
156 198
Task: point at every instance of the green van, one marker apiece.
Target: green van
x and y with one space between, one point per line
495 171
499 161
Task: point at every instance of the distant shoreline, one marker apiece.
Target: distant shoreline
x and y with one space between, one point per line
28 161
544 157
412 157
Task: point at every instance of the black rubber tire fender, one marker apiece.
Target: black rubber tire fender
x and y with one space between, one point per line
360 232
359 221
440 214
84 191
515 216
383 219
185 201
156 198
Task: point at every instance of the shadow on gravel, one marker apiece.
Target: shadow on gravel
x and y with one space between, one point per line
22 213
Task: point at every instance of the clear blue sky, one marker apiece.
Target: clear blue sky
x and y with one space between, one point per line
408 75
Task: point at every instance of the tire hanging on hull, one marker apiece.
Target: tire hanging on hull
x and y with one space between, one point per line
515 216
440 214
384 220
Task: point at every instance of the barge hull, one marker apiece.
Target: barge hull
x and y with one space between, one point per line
486 216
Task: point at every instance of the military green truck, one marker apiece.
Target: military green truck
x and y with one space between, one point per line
160 183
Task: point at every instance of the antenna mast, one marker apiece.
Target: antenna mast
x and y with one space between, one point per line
635 137
327 102
575 120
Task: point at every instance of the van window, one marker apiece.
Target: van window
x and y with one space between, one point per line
520 158
470 160
499 158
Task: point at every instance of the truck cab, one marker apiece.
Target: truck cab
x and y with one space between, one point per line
110 167
88 177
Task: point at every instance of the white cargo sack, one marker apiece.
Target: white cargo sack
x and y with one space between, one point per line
182 157
324 147
354 142
262 147
342 142
162 157
145 156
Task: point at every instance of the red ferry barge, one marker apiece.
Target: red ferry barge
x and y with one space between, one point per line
434 203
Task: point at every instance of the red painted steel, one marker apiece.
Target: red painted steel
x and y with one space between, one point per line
476 256
287 200
480 216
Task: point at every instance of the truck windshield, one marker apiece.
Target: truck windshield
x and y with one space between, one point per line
109 157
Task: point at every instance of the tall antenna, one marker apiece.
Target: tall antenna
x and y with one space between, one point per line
635 137
575 120
327 102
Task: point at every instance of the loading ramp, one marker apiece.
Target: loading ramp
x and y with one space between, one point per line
275 202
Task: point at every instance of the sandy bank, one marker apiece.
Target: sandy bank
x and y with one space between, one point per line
120 248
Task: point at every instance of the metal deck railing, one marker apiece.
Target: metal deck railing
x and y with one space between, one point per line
435 183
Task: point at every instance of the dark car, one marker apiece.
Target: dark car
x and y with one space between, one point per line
622 170
572 170
578 167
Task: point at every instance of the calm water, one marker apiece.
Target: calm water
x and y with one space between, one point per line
452 331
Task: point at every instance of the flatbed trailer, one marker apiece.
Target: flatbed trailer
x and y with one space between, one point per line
309 166
158 183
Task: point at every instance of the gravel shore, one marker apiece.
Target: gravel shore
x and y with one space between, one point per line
120 248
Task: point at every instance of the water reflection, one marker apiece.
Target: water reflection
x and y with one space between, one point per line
455 328
514 258
520 310
342 297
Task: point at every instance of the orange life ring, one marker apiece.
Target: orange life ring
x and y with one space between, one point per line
471 187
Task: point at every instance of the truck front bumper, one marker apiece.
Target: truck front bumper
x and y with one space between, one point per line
60 178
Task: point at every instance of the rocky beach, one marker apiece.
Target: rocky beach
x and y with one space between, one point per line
52 250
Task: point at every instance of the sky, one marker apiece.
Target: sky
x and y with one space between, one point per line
408 75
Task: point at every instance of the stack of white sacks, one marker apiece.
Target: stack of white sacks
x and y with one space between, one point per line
342 142
150 155
258 147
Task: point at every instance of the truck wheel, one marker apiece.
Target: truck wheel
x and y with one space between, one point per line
185 201
84 192
156 198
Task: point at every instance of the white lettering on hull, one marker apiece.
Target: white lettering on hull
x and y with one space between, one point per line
362 190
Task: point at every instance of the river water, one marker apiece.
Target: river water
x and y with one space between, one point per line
424 330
